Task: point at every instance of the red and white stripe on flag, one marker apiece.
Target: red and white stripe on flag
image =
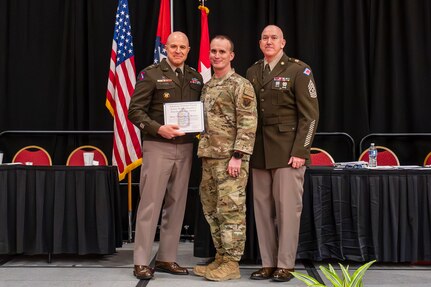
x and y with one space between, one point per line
126 151
204 64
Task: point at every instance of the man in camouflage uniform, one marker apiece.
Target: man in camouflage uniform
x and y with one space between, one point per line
167 157
288 115
225 148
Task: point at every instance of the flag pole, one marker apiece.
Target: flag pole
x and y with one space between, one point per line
172 16
129 203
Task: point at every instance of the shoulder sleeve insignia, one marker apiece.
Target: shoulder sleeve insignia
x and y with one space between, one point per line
307 71
141 76
248 97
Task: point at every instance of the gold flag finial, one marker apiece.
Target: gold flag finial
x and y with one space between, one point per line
203 7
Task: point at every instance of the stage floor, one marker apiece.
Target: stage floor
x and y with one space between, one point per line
116 270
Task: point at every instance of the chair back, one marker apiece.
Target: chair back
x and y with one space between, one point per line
76 157
385 156
320 157
427 160
34 154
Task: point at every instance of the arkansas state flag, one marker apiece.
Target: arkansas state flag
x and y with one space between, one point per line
204 65
163 31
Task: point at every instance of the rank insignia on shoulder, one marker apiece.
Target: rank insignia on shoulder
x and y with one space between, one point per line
307 71
141 76
166 95
195 81
152 66
312 89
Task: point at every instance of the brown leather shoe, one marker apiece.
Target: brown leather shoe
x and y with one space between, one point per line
171 267
263 273
282 274
143 272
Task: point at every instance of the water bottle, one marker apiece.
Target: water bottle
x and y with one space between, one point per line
372 155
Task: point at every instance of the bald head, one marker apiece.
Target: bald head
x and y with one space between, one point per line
275 29
177 35
177 48
272 42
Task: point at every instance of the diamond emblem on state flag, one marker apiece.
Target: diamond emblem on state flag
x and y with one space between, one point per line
307 71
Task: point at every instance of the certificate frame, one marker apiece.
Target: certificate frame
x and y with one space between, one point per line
189 116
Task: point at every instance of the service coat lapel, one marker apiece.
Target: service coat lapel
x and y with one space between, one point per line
167 72
260 79
278 69
188 75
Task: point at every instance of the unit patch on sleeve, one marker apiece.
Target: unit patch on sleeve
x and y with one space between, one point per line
307 71
141 76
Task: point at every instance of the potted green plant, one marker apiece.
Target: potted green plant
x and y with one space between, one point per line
354 280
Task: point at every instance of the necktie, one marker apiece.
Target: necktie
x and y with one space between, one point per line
266 71
179 75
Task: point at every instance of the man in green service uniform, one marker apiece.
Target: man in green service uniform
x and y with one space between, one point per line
167 156
288 114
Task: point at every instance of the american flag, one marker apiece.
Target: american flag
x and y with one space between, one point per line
163 31
126 152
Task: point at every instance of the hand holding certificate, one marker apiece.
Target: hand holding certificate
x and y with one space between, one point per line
188 116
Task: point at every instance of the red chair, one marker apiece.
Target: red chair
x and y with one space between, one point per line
320 157
385 156
427 160
76 157
34 154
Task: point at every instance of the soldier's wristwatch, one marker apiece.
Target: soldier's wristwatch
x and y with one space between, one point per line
238 154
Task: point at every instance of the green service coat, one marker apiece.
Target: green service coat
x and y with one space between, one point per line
288 113
156 85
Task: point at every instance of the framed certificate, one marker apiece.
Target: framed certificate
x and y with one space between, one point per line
189 116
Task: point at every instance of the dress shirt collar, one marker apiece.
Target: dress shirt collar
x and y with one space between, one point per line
275 61
174 67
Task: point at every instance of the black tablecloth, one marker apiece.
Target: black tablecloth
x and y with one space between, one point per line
59 209
355 214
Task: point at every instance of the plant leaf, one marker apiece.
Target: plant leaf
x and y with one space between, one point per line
356 278
332 276
307 279
346 274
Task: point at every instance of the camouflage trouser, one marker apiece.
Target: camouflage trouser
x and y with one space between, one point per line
223 202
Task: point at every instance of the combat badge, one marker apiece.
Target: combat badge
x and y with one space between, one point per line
312 89
195 81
